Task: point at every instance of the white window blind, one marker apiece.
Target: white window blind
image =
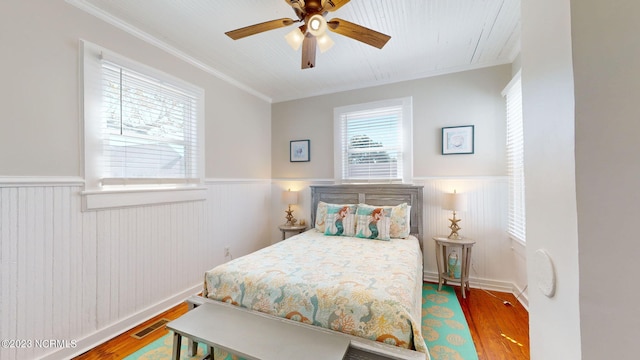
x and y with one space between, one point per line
371 142
143 133
148 130
515 159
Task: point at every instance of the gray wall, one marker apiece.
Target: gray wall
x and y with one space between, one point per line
39 97
466 98
607 83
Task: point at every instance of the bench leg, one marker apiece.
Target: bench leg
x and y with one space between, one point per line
177 343
192 346
209 355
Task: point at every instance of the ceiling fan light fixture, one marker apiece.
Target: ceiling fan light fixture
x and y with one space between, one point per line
312 34
295 38
316 25
325 42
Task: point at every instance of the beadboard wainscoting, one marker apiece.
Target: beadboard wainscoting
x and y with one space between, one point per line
484 220
83 277
495 263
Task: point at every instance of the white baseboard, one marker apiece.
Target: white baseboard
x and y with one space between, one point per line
523 299
113 330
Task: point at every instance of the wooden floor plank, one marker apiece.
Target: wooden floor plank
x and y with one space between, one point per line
125 344
499 331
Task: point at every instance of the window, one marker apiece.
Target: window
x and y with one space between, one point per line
515 159
148 129
373 142
143 131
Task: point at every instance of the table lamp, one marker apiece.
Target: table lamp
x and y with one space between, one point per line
454 202
290 198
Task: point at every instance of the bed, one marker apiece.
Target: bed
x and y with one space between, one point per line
366 288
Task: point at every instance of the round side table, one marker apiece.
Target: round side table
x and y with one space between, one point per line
466 244
296 229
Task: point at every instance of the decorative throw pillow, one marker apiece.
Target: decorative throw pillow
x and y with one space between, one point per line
400 226
340 220
321 216
373 222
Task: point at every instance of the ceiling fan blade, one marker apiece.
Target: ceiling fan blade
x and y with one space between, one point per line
258 28
357 32
333 5
309 52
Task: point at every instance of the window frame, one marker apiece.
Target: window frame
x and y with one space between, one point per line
516 219
96 196
406 105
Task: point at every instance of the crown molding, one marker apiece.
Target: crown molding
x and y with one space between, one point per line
122 25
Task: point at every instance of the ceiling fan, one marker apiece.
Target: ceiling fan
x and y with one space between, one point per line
312 32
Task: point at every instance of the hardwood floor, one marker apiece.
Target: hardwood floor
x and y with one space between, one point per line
499 331
124 344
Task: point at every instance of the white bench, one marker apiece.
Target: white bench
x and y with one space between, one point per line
253 335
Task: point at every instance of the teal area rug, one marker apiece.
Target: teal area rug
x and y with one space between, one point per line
161 349
444 329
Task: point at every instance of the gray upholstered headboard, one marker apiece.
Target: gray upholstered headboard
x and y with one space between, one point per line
383 195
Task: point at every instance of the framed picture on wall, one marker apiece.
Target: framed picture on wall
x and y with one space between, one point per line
457 140
299 151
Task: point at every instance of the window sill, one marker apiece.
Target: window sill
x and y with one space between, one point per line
110 199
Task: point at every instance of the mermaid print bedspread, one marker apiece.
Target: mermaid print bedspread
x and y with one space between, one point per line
361 287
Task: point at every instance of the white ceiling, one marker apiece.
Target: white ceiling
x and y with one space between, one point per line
428 37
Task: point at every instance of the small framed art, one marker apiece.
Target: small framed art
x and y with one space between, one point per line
457 140
299 151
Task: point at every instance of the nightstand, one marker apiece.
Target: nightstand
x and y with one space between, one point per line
296 229
465 244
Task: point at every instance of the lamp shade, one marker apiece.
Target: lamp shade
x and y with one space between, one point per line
324 42
295 38
290 197
454 202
